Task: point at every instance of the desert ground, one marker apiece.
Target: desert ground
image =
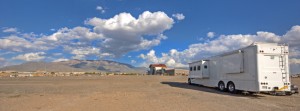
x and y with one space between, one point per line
132 93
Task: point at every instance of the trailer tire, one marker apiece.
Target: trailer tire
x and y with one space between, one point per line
221 86
231 87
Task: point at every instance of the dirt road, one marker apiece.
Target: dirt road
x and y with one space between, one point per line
132 93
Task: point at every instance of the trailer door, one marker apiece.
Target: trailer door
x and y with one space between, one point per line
272 69
205 67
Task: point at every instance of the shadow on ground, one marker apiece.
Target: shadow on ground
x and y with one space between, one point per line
209 89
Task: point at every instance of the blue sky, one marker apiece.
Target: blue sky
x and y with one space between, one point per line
177 32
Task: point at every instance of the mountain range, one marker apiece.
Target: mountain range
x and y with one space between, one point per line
76 66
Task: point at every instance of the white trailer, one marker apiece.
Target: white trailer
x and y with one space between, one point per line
260 67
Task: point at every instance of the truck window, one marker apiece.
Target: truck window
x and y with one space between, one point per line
199 68
194 68
205 66
191 68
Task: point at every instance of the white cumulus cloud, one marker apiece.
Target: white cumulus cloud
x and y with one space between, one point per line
10 30
124 33
30 56
294 65
151 58
178 16
80 33
81 53
60 60
101 9
52 29
133 61
19 44
210 34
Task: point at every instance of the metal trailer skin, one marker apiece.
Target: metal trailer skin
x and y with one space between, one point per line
260 67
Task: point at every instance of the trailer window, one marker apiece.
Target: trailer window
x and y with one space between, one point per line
205 66
191 68
194 68
199 68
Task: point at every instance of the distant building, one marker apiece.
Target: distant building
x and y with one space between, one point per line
24 75
157 69
78 72
21 75
177 72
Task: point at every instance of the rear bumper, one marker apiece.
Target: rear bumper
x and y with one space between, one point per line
266 88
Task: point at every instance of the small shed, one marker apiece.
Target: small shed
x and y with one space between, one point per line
157 69
177 72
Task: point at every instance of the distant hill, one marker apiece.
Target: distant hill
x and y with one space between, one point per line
77 66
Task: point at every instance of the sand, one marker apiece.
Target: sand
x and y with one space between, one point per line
130 93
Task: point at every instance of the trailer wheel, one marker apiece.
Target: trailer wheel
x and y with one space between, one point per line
189 81
221 86
231 87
